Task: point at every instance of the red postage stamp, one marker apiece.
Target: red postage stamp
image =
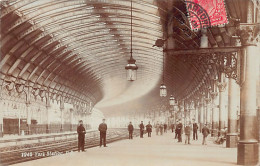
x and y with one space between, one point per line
206 13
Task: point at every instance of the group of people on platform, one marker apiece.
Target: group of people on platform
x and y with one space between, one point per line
159 127
162 128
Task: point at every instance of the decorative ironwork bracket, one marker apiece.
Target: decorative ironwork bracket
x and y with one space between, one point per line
226 60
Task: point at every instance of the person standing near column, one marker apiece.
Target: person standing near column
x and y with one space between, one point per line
165 127
187 131
130 129
195 131
172 127
179 132
141 126
81 136
161 128
149 129
103 132
205 132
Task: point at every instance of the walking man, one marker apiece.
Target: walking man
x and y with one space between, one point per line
81 136
179 132
130 129
187 131
172 127
141 126
161 128
195 131
103 132
176 130
149 129
205 132
165 127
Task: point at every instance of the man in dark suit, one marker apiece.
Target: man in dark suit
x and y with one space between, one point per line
165 127
205 132
149 129
172 127
195 131
141 126
103 132
179 132
130 129
81 136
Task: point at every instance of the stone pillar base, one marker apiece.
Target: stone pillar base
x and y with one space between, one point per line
247 153
231 141
1 134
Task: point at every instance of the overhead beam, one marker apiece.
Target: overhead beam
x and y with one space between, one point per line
202 50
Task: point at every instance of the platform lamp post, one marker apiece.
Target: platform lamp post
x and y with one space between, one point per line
22 88
131 67
19 119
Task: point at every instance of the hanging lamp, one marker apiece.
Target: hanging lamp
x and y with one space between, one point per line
131 67
172 100
163 90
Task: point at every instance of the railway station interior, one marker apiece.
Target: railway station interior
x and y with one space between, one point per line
128 61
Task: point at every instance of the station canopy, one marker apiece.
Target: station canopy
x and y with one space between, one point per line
80 48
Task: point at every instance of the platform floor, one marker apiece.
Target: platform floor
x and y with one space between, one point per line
155 151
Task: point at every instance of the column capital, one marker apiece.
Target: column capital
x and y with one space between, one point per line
249 34
222 86
207 100
213 95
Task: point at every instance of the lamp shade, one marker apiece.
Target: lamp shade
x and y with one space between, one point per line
131 70
163 90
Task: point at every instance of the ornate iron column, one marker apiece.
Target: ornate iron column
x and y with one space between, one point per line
248 146
28 109
48 113
207 106
71 119
232 114
201 112
215 114
196 105
61 114
222 88
1 112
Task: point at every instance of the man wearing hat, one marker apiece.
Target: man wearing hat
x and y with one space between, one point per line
81 136
130 129
141 126
103 132
205 132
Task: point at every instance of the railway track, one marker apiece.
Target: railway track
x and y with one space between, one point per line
36 151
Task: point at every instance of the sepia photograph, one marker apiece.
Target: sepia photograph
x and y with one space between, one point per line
130 82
